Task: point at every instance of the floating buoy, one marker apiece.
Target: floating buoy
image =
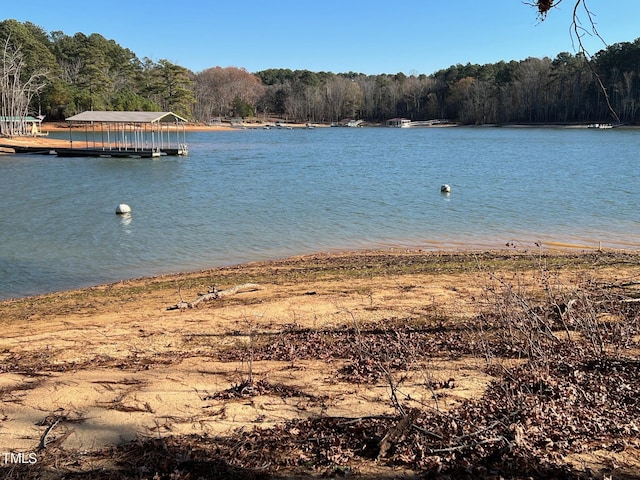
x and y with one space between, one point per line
444 188
122 209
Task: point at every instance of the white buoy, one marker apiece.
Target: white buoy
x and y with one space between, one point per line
122 209
444 188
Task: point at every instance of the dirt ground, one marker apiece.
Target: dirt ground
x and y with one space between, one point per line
88 370
115 354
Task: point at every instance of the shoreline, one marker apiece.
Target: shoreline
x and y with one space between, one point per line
515 248
465 246
511 248
44 140
279 124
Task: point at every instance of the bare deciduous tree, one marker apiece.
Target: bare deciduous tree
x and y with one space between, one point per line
216 89
16 93
343 98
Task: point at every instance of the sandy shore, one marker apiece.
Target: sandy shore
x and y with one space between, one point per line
92 369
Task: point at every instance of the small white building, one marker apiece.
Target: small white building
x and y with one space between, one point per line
21 126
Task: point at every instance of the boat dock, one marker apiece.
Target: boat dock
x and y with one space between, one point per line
118 135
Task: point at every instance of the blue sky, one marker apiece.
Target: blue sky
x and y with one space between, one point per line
371 37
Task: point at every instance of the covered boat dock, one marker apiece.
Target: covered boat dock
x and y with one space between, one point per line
126 134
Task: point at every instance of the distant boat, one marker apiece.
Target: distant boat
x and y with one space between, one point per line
399 123
347 122
600 125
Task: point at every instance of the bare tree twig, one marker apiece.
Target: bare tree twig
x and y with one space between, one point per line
577 33
456 448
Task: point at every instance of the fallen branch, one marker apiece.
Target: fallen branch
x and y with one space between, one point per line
43 440
395 433
215 294
457 448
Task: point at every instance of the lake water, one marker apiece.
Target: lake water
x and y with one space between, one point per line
261 194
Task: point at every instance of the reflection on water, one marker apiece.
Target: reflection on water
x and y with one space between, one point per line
125 220
257 194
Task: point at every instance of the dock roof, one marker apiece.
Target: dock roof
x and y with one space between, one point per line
126 117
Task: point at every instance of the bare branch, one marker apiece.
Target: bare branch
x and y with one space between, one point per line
578 31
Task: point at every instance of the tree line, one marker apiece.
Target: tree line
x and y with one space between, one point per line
58 75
